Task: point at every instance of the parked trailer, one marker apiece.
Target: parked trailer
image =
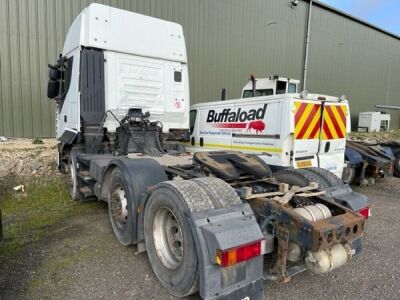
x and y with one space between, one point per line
392 149
369 160
214 222
365 161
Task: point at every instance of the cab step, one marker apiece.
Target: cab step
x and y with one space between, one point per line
85 176
87 193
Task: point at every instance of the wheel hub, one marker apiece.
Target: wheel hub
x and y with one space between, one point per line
168 238
119 206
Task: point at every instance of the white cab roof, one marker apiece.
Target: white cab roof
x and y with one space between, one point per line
113 29
279 97
269 82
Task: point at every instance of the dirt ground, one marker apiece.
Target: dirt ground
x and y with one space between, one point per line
55 248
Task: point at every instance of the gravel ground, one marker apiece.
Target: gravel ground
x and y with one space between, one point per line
81 259
21 157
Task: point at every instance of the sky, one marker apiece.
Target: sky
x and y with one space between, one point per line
382 13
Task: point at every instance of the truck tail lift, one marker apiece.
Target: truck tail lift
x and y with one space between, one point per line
217 223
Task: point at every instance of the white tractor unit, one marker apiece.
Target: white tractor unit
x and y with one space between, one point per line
214 222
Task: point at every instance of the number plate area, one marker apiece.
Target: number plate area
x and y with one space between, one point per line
304 164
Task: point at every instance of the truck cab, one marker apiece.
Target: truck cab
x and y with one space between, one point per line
272 85
114 60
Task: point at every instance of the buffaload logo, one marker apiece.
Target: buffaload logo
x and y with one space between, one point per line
251 119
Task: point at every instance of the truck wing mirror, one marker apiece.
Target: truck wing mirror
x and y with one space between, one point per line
54 74
53 88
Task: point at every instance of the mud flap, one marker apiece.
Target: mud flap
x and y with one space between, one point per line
356 246
345 196
223 229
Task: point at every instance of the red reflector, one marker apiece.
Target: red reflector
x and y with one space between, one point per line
236 255
365 212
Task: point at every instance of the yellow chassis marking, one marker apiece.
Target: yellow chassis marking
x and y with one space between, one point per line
237 147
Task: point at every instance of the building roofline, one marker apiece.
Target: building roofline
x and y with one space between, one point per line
349 16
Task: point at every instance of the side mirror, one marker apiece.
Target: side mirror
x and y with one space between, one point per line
53 88
54 74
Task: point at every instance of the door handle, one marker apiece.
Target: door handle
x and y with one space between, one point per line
201 142
192 141
327 146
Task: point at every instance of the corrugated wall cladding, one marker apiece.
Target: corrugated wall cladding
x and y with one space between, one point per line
349 58
226 41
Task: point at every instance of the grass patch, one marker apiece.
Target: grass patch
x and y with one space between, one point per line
37 141
30 216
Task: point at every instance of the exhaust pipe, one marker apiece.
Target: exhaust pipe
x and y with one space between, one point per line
253 81
223 94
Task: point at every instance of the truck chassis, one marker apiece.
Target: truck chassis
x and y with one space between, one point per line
207 204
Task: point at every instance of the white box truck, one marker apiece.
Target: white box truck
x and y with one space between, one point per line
297 130
206 220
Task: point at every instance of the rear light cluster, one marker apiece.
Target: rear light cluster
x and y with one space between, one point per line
229 257
365 212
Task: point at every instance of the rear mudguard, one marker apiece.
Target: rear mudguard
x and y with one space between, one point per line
222 229
344 195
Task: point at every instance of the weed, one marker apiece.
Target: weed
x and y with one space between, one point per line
37 141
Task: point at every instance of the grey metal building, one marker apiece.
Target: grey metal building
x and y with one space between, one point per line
226 41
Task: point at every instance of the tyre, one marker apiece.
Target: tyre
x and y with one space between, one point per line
120 208
330 178
169 241
220 193
396 167
349 174
300 177
73 172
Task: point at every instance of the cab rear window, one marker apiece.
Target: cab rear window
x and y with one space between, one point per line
263 92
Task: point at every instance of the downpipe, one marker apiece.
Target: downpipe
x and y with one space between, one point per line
307 46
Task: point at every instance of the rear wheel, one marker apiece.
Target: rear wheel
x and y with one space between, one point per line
330 178
170 245
220 193
300 177
73 172
120 208
349 174
396 167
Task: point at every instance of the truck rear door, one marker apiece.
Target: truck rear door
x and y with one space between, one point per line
335 124
307 127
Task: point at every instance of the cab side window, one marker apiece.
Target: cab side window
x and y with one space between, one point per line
292 88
